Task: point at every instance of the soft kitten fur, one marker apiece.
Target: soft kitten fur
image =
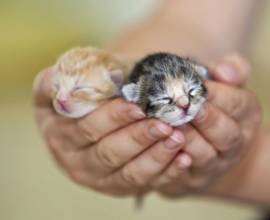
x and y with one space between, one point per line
168 87
84 79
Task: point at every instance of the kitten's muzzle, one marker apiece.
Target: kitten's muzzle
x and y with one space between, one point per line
183 103
63 104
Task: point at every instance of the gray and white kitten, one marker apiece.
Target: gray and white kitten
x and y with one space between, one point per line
168 87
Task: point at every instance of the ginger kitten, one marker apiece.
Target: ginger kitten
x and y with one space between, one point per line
85 78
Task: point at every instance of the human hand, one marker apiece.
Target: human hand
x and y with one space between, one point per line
94 150
220 135
122 158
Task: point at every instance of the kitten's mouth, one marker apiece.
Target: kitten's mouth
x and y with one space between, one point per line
184 108
63 107
184 112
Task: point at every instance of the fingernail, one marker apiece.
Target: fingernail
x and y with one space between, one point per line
202 114
184 161
136 115
239 61
227 72
160 130
174 141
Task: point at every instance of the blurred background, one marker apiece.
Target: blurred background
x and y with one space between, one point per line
33 33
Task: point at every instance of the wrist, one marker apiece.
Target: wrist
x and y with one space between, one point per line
242 182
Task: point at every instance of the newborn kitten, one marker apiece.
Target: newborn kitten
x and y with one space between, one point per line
168 87
84 79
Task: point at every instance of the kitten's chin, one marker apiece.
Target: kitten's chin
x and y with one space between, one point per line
176 120
187 117
181 121
179 117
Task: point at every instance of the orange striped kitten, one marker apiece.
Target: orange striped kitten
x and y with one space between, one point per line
85 78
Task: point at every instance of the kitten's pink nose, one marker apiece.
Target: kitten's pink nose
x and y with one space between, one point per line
63 103
183 102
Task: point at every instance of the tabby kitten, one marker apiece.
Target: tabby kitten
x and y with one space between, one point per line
84 79
168 87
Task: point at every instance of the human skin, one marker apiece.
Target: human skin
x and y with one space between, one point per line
132 153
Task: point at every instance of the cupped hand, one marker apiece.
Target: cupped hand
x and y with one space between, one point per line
115 150
100 150
220 135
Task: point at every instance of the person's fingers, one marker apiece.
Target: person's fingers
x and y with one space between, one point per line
81 133
179 169
115 150
109 117
213 124
141 170
233 70
198 147
197 152
235 102
177 181
68 132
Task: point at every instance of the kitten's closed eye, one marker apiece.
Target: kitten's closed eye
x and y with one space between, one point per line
192 93
165 100
86 89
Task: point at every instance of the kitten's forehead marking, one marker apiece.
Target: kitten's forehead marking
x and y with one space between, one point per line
175 86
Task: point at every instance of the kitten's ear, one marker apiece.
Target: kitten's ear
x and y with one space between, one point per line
202 70
131 92
117 77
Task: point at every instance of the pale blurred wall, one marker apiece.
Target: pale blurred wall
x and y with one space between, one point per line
33 33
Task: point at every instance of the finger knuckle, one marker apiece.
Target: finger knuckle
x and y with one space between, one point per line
140 134
88 131
171 176
139 138
118 102
211 119
118 108
246 100
132 178
235 139
106 156
54 143
160 157
210 156
238 104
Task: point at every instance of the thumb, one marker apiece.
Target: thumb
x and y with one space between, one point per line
232 70
42 87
